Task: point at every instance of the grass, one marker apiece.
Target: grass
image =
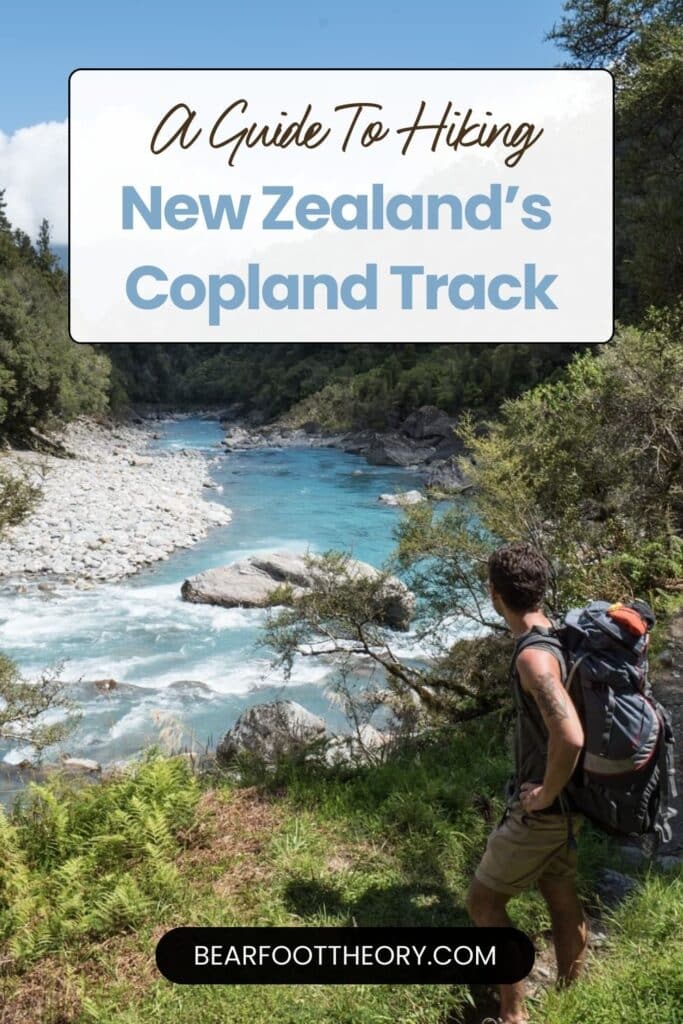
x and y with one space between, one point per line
639 980
95 875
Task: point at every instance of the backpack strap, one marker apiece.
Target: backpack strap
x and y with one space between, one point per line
667 776
546 640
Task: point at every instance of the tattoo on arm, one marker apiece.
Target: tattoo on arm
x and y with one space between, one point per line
551 699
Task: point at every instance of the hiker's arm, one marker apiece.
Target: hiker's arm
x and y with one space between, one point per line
539 675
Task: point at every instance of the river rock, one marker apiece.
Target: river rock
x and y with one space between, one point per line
240 585
447 447
393 450
251 583
271 731
82 764
239 437
448 474
613 886
403 498
428 422
105 685
109 508
357 442
360 746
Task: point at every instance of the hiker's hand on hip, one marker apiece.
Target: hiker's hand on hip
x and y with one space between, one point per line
533 797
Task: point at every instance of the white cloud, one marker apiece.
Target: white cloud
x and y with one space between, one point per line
33 172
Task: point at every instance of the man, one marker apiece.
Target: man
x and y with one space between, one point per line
534 842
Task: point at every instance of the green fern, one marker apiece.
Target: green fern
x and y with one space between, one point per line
90 861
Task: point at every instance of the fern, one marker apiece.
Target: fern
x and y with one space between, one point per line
114 908
93 860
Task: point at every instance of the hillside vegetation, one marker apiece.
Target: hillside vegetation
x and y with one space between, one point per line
44 376
92 877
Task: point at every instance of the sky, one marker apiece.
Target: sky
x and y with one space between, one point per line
44 42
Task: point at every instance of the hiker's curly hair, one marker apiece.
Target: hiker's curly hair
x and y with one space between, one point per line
520 574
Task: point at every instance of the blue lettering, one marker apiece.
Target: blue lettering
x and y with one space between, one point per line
537 218
132 286
494 292
284 194
151 215
406 274
533 291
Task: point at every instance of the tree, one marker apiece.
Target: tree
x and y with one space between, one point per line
337 619
598 33
589 468
23 706
22 244
43 375
4 222
47 260
641 42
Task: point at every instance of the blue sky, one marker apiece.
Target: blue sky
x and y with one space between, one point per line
43 42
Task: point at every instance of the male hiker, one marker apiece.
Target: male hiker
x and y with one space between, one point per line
534 842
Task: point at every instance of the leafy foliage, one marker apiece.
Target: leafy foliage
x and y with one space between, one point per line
23 708
641 42
341 386
599 32
17 498
84 862
43 374
589 468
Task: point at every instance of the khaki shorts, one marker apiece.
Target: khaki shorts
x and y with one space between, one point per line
527 847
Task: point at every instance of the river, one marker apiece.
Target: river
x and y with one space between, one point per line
201 665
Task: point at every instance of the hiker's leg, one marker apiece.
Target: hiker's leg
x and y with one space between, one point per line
486 908
569 926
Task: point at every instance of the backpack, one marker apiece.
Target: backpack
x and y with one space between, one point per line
625 777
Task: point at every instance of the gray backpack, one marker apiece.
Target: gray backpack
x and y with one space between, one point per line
625 778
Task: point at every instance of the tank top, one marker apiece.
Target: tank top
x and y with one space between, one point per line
531 734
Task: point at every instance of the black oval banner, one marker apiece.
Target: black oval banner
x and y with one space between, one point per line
344 956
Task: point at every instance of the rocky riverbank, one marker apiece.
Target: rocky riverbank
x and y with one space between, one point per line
425 441
109 509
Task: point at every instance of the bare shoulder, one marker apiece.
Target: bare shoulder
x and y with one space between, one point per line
534 661
539 675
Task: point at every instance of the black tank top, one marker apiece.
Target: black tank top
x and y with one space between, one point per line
531 734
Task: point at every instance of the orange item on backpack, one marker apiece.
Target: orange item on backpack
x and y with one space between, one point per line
629 618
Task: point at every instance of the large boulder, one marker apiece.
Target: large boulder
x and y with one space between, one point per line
447 447
283 728
246 584
448 475
271 731
365 745
357 442
613 887
252 582
392 450
83 765
428 422
238 437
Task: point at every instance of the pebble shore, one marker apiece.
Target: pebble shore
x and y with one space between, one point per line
112 509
